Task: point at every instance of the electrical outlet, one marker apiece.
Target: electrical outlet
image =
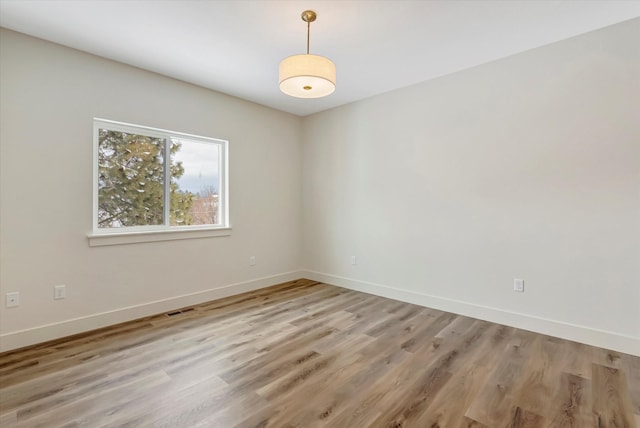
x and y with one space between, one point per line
353 260
13 299
518 285
59 292
252 261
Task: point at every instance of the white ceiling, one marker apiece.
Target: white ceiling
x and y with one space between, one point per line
235 46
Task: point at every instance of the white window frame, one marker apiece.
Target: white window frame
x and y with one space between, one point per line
133 234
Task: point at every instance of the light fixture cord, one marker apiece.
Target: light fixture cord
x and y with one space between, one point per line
308 31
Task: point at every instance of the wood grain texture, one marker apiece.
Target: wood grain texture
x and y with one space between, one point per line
306 354
610 406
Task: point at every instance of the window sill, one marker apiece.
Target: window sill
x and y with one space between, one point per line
99 239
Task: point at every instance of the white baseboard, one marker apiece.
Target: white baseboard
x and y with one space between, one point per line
19 339
576 333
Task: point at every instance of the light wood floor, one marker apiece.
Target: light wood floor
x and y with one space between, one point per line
307 354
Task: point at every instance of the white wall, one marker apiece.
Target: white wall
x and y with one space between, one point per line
527 167
445 191
49 96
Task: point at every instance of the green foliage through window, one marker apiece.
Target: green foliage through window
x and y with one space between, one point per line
131 180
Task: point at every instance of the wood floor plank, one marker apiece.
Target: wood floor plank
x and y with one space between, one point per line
494 403
54 413
450 404
611 401
470 423
308 354
8 419
571 406
632 370
543 368
521 418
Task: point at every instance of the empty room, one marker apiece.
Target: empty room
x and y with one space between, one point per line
355 213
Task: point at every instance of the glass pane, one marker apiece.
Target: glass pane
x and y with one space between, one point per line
130 179
195 182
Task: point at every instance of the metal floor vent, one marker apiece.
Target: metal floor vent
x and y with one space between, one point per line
181 311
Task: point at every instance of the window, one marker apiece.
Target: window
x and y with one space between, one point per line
151 180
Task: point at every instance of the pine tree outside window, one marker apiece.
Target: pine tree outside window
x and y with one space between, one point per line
148 179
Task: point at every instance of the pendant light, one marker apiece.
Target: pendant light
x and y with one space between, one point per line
306 75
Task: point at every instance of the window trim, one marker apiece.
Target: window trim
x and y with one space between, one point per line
181 232
132 234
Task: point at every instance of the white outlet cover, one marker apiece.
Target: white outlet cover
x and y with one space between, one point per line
13 299
59 292
518 285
